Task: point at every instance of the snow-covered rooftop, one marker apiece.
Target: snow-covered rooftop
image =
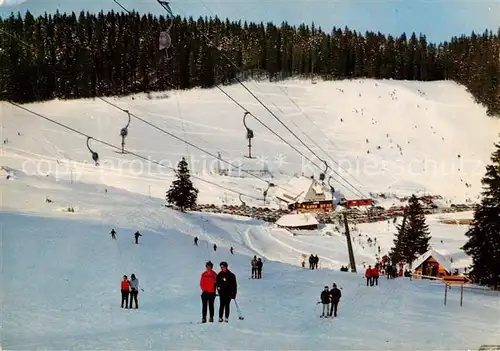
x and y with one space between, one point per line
434 254
297 220
297 188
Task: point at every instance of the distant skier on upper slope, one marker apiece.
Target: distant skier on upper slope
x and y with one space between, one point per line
137 235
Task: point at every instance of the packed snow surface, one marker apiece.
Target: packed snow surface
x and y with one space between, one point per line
380 136
61 270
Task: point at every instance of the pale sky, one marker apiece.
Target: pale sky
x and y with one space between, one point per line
437 19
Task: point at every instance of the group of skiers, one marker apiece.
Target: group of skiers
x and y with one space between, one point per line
256 264
129 288
330 299
313 261
222 283
231 249
372 275
136 235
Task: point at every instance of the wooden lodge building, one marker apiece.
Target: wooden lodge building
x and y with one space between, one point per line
303 194
432 264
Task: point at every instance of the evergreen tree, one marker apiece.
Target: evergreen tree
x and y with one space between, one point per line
413 235
182 193
484 234
69 56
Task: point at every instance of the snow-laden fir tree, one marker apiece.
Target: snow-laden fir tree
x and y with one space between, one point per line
484 233
412 239
182 193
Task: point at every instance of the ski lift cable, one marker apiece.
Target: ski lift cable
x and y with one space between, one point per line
311 139
276 134
173 126
211 43
300 109
267 127
14 37
330 157
320 130
186 142
95 155
76 131
123 7
182 122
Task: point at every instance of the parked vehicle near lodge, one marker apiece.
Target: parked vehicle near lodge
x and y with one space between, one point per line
316 206
326 206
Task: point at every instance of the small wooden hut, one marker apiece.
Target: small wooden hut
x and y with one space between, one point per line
431 264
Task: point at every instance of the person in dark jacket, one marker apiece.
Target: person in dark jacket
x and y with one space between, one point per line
227 288
196 241
137 235
208 281
113 234
325 300
335 296
259 268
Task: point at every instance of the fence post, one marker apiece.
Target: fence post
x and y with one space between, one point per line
445 292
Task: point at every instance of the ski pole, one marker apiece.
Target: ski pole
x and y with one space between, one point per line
240 316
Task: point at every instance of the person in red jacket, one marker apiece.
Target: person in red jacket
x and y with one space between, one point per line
368 275
125 289
207 284
375 275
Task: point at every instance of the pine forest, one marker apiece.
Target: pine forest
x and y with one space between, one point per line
69 56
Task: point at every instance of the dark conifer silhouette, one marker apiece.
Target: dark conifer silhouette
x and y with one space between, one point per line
484 234
412 239
69 56
182 193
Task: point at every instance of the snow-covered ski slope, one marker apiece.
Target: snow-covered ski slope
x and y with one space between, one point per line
432 138
61 271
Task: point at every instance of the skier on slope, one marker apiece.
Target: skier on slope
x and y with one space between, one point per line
335 296
113 234
325 300
215 247
259 268
125 290
137 235
375 275
134 291
368 275
227 288
196 241
253 263
208 283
